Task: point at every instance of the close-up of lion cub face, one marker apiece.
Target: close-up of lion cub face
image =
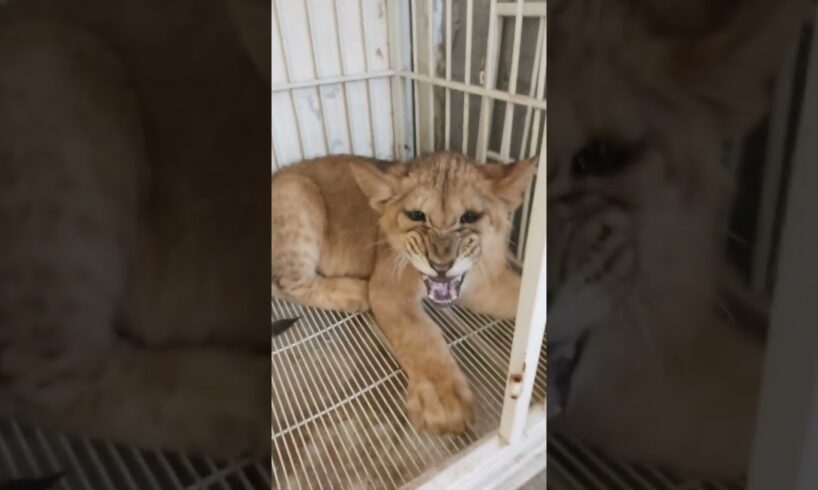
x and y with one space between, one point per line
446 216
642 98
637 126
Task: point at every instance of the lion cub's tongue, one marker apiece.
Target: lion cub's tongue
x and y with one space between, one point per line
443 291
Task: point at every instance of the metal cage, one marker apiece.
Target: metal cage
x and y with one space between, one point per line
398 78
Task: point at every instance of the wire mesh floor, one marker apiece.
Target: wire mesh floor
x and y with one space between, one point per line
574 467
339 419
29 452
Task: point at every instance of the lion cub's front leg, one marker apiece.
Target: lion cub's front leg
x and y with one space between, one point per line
438 396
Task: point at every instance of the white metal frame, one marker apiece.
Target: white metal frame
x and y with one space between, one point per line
786 448
774 161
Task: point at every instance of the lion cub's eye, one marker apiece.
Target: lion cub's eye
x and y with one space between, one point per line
416 215
469 217
599 157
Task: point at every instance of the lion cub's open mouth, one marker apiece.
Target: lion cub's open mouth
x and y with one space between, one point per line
443 290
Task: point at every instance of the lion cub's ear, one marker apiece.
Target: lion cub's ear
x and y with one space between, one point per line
510 181
377 185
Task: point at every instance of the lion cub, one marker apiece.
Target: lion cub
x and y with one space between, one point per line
350 233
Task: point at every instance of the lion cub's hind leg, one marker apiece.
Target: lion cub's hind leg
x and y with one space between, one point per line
298 231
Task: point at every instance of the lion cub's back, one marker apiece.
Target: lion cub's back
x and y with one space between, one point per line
351 224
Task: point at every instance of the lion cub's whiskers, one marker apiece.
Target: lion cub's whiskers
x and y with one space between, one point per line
480 266
383 241
399 263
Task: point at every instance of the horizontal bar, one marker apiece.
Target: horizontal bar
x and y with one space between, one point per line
522 100
331 80
495 156
509 9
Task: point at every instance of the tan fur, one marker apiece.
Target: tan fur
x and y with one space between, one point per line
133 215
342 240
636 256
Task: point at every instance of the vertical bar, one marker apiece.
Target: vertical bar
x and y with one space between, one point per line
448 104
432 72
368 83
396 62
316 73
409 100
489 82
294 40
324 34
505 145
423 63
288 75
531 316
414 20
528 335
340 54
786 442
273 157
525 214
773 170
377 47
535 132
353 58
467 71
540 93
533 77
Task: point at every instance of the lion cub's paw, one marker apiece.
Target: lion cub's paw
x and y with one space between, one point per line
352 295
440 405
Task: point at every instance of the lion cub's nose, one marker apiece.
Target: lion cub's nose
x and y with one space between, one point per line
441 268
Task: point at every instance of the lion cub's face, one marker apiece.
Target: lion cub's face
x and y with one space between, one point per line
642 97
445 215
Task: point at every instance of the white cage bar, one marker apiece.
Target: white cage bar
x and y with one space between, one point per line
786 448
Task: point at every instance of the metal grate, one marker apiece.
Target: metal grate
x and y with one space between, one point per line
574 467
346 426
339 419
30 452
